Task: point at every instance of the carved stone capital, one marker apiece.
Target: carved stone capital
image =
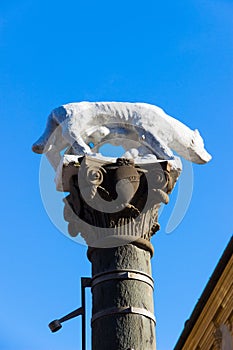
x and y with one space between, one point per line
111 203
217 339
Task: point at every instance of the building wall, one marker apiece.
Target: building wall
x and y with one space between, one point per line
213 325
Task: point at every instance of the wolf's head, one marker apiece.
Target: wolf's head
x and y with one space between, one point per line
195 150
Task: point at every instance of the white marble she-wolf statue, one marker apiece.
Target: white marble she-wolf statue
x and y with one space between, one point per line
82 127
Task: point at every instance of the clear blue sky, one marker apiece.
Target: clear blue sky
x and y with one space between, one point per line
175 54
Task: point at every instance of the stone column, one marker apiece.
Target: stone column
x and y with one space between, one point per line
114 206
122 289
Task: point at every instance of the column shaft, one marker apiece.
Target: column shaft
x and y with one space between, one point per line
122 311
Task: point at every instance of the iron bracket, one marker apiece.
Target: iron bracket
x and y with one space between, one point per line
56 324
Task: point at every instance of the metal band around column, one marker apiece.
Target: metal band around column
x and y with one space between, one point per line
123 310
122 275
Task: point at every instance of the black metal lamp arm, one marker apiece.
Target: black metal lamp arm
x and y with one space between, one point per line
56 324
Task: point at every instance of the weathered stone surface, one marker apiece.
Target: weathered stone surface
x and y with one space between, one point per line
114 203
123 257
128 331
135 332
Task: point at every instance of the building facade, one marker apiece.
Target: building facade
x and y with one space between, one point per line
210 326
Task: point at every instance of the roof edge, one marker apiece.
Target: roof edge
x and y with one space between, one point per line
189 324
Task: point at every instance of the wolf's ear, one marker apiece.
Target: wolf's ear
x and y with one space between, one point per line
196 132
